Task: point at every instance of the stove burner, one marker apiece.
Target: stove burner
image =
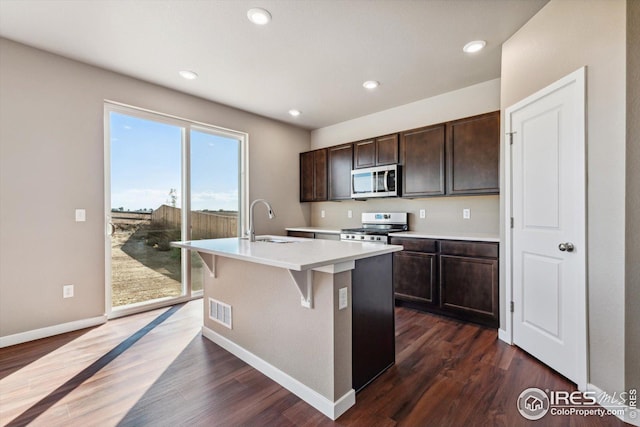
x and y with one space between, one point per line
367 231
375 228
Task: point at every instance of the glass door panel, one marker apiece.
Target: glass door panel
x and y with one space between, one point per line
214 194
145 210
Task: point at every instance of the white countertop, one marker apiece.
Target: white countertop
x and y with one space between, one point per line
300 254
328 230
469 236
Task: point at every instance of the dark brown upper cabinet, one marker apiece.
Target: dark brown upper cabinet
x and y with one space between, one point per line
340 165
460 157
313 176
376 152
364 154
473 155
422 154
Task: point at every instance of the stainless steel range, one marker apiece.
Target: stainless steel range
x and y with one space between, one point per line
376 227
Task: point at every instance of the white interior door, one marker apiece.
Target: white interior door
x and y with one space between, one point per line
548 235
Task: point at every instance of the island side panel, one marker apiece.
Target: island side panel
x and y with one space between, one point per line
269 321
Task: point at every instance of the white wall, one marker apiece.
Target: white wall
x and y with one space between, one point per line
469 101
564 36
632 294
51 162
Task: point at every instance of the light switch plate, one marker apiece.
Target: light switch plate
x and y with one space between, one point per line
67 291
423 214
81 215
466 213
349 213
343 298
322 213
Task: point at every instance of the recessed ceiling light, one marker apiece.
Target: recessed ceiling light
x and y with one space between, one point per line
474 46
259 16
371 84
189 75
295 113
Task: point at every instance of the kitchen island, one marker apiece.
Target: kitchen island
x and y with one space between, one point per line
285 306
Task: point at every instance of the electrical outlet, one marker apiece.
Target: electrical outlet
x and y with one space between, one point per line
466 213
349 213
67 291
343 298
322 213
81 215
423 214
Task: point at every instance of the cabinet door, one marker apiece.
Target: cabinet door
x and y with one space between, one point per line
387 150
473 155
320 175
306 177
469 287
313 176
340 164
364 154
414 277
423 161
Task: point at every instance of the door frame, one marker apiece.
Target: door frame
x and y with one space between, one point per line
579 78
187 125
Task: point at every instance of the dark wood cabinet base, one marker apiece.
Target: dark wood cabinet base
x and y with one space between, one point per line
454 278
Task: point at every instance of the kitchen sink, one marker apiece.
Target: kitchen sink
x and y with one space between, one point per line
272 240
277 239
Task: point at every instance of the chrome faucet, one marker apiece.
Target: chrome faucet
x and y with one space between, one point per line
252 230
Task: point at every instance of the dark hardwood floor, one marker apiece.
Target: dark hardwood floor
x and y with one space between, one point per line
155 369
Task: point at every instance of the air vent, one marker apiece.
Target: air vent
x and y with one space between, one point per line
220 312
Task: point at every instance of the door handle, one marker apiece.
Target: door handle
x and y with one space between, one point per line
112 229
567 246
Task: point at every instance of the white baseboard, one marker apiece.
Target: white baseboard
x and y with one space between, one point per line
331 409
503 336
50 331
631 415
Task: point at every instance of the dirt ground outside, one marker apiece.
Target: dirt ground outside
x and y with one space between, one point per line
143 265
139 271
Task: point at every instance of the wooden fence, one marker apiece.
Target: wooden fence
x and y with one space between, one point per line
204 225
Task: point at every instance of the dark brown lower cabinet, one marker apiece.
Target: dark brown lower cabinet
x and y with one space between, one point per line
468 288
415 277
454 278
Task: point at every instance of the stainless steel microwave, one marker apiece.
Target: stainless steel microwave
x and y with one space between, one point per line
381 181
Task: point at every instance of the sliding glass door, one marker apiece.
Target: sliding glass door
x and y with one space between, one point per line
214 197
157 168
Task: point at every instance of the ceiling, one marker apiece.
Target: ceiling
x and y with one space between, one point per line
313 56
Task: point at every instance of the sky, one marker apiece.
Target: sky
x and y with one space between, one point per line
146 163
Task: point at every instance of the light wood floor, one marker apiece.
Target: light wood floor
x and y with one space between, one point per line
155 369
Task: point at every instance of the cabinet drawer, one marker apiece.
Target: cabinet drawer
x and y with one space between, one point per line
416 245
471 249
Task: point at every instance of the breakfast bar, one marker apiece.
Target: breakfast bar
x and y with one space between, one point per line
285 306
